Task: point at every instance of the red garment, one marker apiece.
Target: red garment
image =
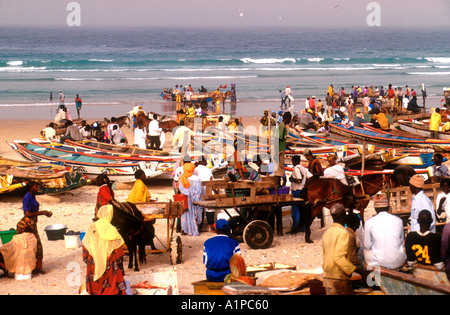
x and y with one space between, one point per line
312 104
315 168
391 93
112 281
104 195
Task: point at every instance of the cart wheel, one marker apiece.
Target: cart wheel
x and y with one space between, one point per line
237 225
258 235
176 251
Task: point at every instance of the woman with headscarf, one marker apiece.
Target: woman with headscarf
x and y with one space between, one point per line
103 254
191 186
105 192
139 192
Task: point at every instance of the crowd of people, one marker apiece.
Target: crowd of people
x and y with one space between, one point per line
95 131
341 106
349 246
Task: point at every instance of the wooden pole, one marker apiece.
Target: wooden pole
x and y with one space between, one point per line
363 164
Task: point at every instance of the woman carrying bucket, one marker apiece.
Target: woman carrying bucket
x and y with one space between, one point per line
28 224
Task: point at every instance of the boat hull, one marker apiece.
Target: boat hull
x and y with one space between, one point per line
388 139
397 283
116 171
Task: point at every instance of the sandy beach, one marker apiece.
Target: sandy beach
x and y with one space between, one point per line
65 270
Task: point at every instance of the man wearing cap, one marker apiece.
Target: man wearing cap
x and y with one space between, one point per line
420 202
217 252
337 268
384 237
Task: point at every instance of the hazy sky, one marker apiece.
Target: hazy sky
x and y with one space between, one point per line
223 13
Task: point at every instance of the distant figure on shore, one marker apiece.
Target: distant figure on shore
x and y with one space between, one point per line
61 98
288 95
78 103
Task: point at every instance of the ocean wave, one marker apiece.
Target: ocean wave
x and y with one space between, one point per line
438 59
101 60
428 73
268 60
208 64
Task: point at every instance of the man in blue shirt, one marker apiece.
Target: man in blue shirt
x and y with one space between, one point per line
420 202
217 252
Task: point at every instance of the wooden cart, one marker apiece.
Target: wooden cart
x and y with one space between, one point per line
169 211
253 204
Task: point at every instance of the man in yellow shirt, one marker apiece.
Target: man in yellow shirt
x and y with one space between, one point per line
190 111
139 192
337 268
379 120
435 123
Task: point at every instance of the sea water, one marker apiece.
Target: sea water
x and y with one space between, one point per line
114 69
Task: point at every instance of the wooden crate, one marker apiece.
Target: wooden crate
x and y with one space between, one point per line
400 198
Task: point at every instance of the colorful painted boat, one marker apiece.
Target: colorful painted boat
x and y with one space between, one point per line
395 132
162 164
388 139
50 182
109 148
116 170
103 154
421 129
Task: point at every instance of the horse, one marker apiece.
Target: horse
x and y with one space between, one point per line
322 192
129 221
122 120
166 126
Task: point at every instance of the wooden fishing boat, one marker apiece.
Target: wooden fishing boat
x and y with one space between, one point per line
409 115
117 170
34 165
388 139
50 182
113 148
395 132
104 154
394 282
421 129
163 164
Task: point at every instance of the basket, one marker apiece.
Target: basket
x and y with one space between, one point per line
6 236
55 232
